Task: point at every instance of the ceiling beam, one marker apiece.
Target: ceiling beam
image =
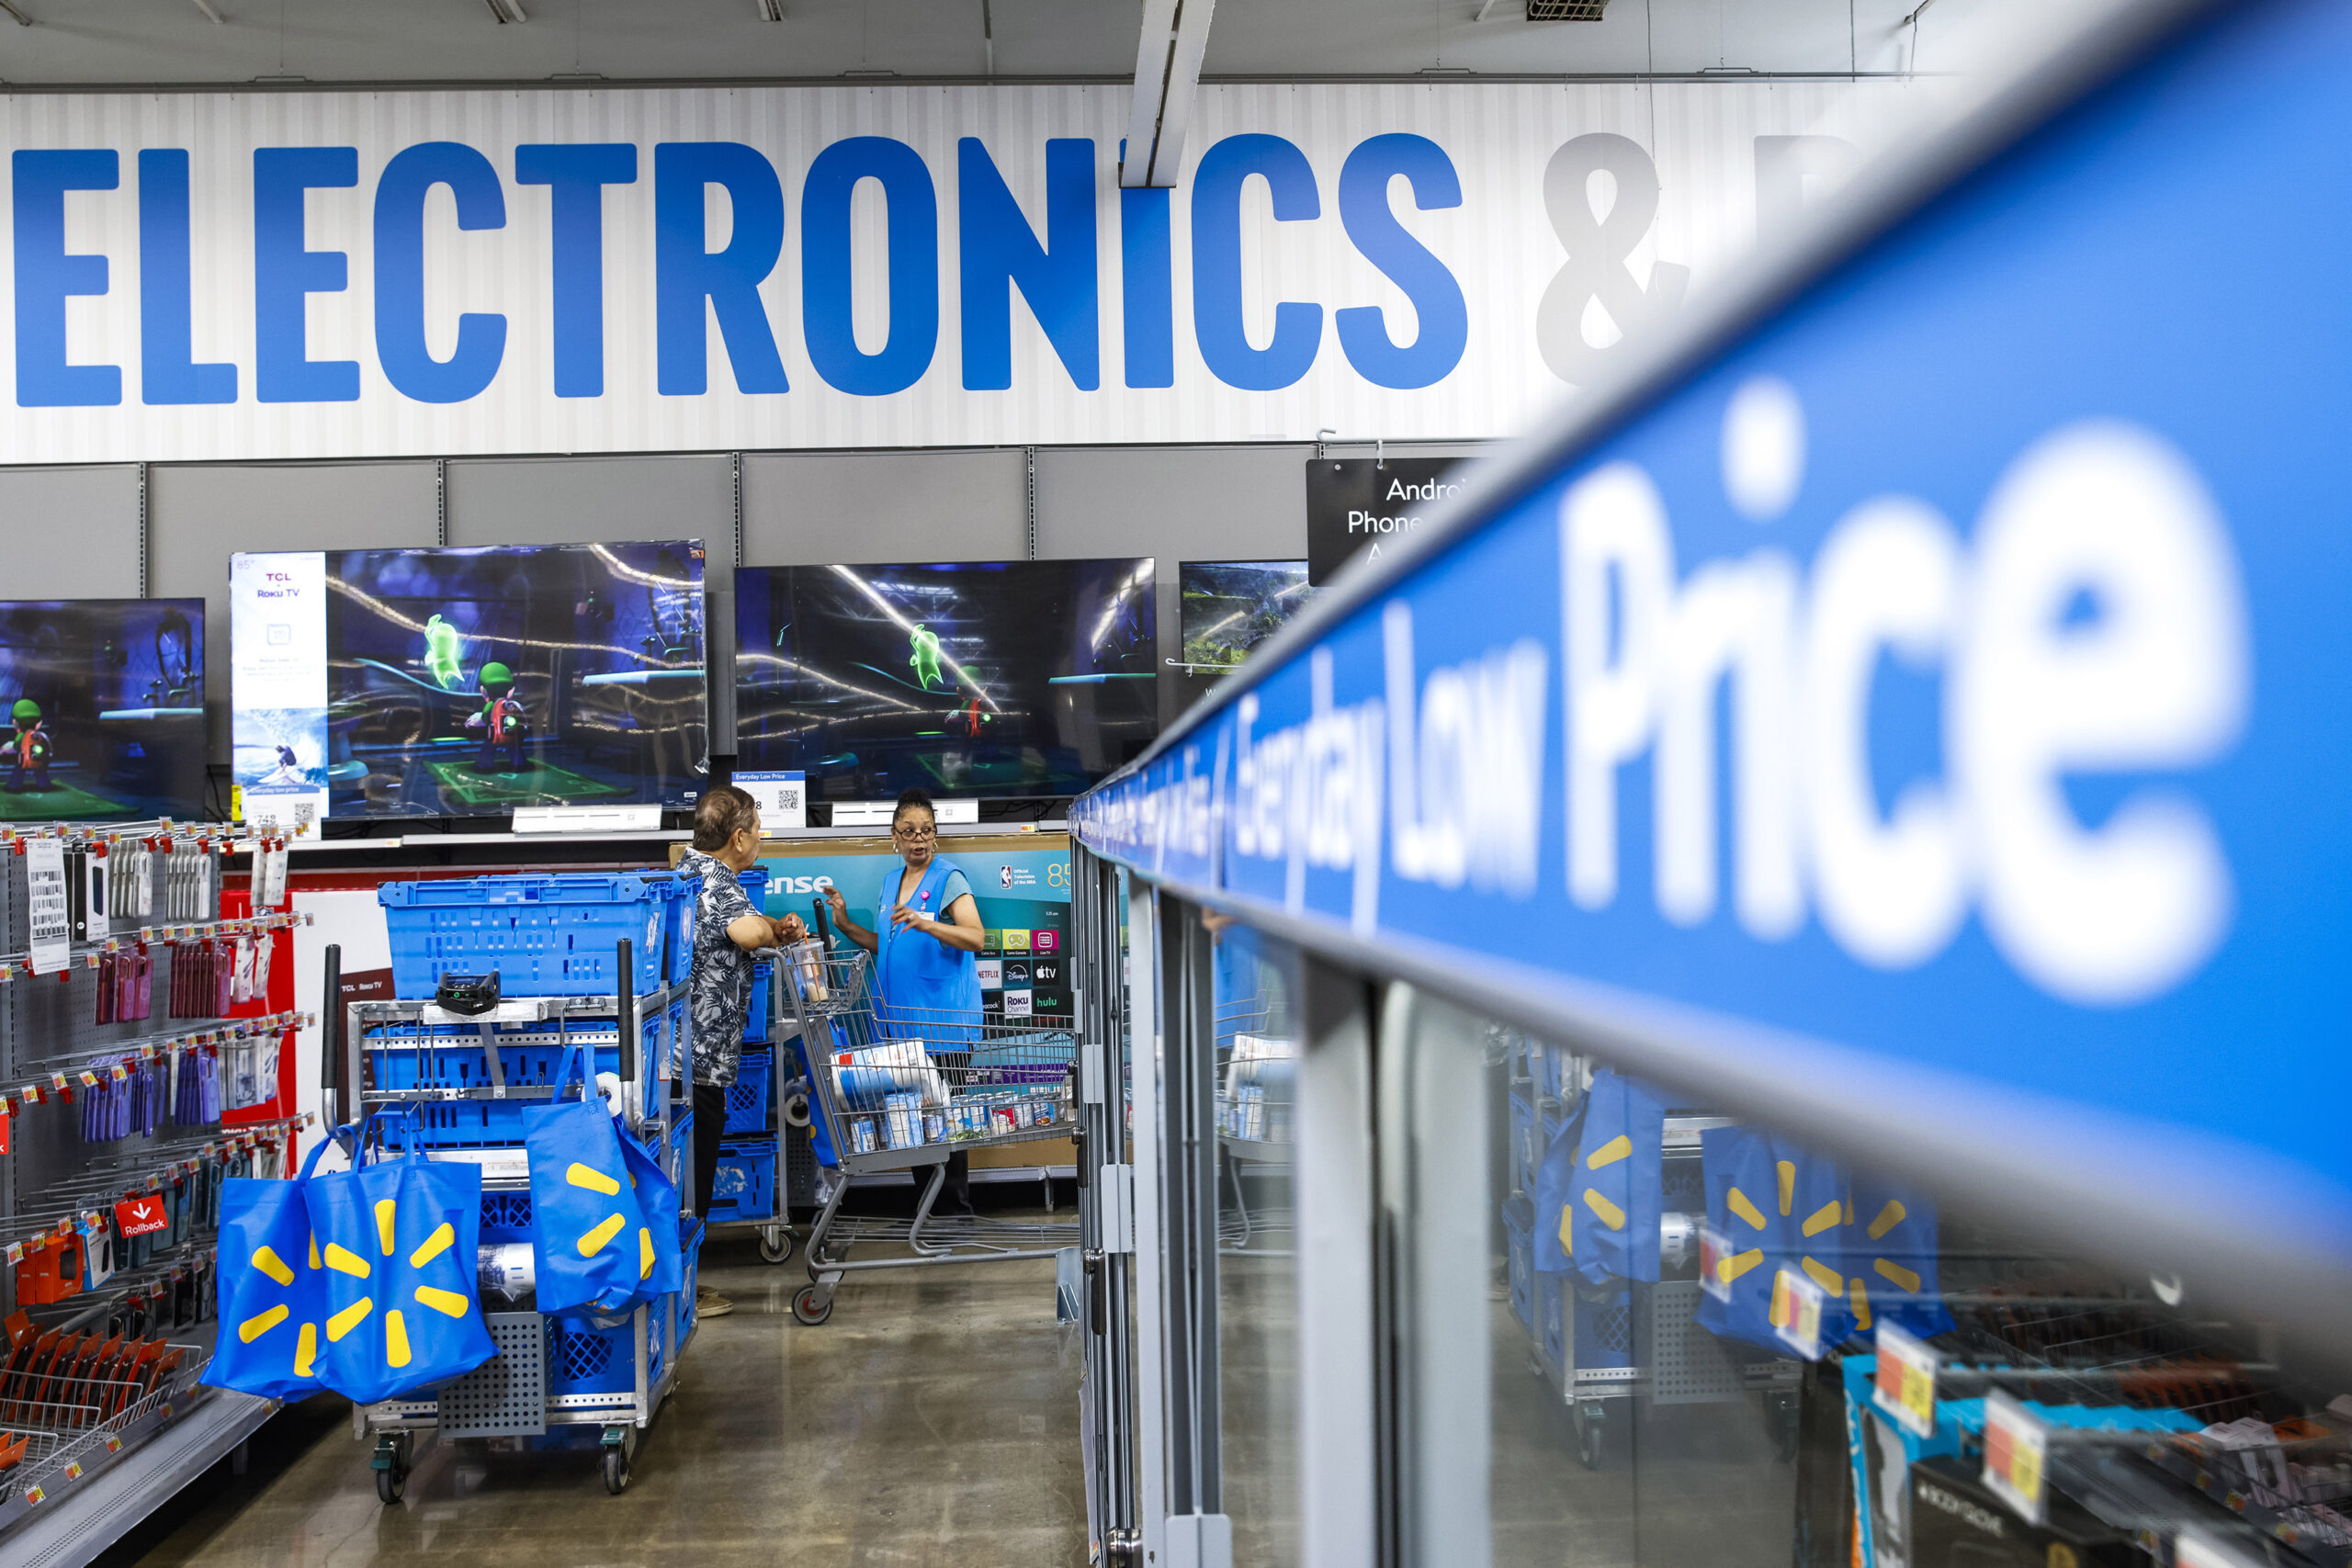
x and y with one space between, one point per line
1167 74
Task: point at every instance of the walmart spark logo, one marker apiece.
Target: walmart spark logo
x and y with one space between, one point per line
384 1270
1834 1220
306 1342
595 1240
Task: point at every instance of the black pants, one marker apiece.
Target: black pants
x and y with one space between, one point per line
711 1124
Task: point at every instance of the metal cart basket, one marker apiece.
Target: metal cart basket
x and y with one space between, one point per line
901 1089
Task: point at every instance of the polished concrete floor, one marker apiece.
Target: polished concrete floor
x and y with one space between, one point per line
933 1421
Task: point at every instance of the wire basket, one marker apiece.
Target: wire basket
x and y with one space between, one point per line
897 1079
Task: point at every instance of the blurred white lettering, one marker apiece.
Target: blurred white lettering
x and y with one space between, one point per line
2097 628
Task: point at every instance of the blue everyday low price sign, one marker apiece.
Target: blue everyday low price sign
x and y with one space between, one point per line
1931 711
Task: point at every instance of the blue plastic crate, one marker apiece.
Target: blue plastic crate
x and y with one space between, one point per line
1519 1241
1604 1331
755 1021
1551 1295
408 1056
585 1359
547 935
505 1217
681 1163
750 1099
744 1187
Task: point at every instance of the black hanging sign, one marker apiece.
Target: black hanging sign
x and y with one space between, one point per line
1368 503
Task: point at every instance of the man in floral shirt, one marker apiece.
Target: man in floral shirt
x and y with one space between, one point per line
727 931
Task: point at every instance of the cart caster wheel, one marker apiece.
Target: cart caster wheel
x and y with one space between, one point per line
807 1309
780 1250
390 1484
1589 1432
616 1471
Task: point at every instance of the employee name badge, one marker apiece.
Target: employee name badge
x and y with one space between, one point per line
1903 1388
1714 1258
2017 1455
1796 1312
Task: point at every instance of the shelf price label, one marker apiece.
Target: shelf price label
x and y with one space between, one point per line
2017 1455
1905 1385
1797 1302
1715 1252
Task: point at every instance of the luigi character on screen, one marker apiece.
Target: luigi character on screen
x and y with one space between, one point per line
29 750
502 721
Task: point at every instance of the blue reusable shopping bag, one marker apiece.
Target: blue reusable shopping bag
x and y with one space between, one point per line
400 1239
272 1299
1776 1205
661 1268
1890 1258
1612 1206
588 1232
1555 1226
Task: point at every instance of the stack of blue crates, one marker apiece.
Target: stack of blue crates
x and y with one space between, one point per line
545 934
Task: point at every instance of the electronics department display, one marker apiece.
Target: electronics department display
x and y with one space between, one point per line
101 709
999 678
457 682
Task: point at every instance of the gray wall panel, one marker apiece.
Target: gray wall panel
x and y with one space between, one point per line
816 508
199 516
70 533
575 501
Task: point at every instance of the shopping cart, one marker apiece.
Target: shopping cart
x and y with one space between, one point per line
899 1088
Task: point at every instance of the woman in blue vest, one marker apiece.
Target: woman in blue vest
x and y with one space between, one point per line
926 962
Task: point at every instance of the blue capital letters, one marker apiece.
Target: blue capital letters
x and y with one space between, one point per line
408 363
1217 262
687 272
576 176
1147 288
825 294
285 275
46 275
167 369
999 251
1384 243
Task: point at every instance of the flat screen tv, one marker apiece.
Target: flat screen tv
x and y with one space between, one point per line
467 683
101 710
1227 608
989 678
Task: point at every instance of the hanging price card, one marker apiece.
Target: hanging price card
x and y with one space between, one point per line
1714 1257
1905 1386
2016 1453
89 1079
57 1081
1796 1312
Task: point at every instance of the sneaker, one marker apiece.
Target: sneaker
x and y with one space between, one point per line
710 1304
